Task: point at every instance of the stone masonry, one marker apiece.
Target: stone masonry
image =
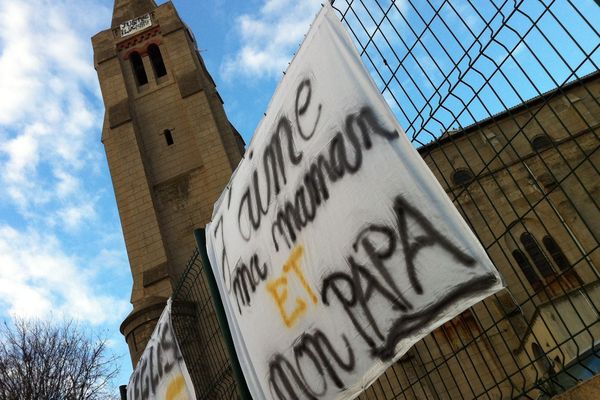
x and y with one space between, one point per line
169 145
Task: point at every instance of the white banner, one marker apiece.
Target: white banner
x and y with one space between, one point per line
161 373
334 246
135 25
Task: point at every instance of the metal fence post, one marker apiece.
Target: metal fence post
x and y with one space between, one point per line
123 392
200 235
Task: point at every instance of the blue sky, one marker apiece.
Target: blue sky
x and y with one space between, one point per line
61 245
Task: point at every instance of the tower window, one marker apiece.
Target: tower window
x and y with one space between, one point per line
572 277
138 69
536 254
168 137
556 253
531 276
157 61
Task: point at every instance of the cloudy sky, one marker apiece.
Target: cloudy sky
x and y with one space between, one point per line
61 247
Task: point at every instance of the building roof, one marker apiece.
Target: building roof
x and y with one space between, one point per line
535 101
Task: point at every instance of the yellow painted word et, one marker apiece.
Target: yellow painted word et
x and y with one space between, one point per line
278 288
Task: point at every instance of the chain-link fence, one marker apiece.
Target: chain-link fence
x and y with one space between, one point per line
501 98
199 335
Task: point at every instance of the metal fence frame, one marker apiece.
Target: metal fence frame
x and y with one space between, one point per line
440 73
199 336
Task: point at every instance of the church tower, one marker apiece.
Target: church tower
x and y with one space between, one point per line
169 145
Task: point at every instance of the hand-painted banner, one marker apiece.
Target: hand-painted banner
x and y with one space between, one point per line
161 373
334 247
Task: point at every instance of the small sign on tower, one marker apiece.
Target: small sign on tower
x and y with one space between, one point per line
135 25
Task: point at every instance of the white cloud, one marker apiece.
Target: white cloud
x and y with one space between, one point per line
50 119
269 37
73 216
24 156
48 122
38 279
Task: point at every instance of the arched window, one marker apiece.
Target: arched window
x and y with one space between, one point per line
157 61
462 177
536 254
138 68
556 253
541 142
531 276
571 277
168 137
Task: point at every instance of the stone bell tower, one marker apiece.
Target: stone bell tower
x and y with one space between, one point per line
169 144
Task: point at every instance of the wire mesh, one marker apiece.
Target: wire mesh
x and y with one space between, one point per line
501 99
199 335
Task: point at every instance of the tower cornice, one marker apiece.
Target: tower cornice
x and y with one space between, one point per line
138 39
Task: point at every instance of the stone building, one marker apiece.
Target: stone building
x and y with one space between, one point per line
169 144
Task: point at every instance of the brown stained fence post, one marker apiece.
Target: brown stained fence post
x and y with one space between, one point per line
242 387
